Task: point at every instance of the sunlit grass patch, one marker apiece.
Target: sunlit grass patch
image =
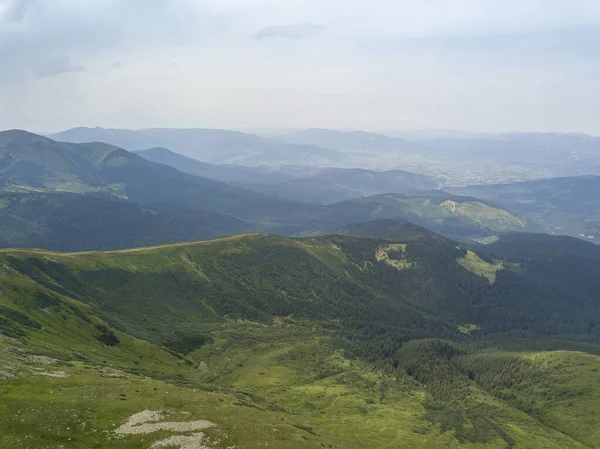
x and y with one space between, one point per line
480 267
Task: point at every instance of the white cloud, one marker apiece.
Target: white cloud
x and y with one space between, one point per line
297 31
57 66
489 65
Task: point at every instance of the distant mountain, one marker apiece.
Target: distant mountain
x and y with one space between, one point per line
333 185
569 205
182 139
322 186
347 140
455 216
464 158
75 222
209 145
430 134
31 162
235 174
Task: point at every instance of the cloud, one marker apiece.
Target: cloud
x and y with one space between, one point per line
494 65
297 31
14 10
57 66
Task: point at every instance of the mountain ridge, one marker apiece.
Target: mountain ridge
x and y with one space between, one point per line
209 145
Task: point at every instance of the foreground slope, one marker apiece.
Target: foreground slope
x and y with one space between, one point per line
338 341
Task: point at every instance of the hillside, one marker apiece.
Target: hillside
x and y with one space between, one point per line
564 205
395 229
460 217
517 246
234 174
29 161
300 343
32 163
75 222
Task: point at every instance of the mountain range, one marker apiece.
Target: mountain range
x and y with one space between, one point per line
317 185
36 165
403 315
209 145
459 159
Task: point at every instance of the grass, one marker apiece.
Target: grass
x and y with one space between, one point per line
468 329
475 264
284 386
493 218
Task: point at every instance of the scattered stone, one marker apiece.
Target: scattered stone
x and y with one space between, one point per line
40 360
149 421
193 441
58 374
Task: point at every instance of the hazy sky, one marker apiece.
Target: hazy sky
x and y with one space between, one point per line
482 65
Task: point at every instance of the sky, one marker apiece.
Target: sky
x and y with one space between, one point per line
475 65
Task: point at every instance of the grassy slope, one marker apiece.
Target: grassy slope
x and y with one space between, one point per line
283 386
274 373
472 262
451 215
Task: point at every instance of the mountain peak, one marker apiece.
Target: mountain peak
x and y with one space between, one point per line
21 138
